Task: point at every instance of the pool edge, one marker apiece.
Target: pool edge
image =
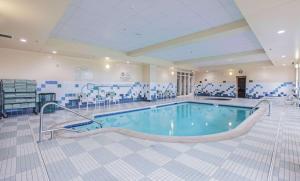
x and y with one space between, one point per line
241 129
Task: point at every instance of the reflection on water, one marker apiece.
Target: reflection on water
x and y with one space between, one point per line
186 119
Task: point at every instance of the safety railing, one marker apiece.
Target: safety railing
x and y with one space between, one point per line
260 102
41 131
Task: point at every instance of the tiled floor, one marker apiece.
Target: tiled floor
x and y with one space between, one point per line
269 151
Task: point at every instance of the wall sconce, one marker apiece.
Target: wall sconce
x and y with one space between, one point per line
172 73
107 66
230 73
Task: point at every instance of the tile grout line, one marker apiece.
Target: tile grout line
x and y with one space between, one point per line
43 165
275 149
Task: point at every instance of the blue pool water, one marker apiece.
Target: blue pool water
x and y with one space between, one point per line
183 119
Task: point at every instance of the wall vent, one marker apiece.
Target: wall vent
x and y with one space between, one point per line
5 36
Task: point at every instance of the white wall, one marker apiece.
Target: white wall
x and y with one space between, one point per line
255 73
262 81
15 64
73 74
164 75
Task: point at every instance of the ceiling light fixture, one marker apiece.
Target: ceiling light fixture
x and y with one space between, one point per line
23 40
280 31
297 54
172 73
54 52
107 66
107 58
283 56
230 73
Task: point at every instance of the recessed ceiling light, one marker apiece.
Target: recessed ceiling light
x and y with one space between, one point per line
107 58
54 52
23 40
281 31
283 56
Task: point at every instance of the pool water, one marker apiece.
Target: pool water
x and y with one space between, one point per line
183 119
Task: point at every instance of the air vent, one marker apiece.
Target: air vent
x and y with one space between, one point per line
5 36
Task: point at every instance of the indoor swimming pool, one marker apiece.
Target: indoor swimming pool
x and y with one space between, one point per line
179 119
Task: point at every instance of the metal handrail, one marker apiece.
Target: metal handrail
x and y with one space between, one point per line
256 106
41 131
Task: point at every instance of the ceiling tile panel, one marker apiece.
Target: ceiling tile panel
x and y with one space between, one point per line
219 45
241 60
130 24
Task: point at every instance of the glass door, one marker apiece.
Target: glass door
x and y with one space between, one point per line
184 83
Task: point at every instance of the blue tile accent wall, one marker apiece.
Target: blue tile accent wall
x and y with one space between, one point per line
275 89
254 90
66 91
159 91
216 89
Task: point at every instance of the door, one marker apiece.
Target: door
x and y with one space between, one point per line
184 83
241 86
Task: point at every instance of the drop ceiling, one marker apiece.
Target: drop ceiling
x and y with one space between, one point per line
270 17
130 24
218 45
127 25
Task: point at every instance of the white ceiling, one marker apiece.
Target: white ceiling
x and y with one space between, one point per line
238 41
126 25
30 19
231 61
268 18
130 24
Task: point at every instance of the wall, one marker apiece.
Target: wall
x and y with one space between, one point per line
39 66
261 81
161 82
68 76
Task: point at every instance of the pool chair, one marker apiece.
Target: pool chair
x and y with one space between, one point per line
85 98
116 99
134 97
158 95
100 100
166 94
111 98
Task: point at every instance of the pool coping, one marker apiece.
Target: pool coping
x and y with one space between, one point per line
241 129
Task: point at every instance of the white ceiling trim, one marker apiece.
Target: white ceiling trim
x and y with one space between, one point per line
228 56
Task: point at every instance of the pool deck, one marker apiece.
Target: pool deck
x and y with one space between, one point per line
269 151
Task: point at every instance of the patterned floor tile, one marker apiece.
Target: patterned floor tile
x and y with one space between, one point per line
123 171
113 156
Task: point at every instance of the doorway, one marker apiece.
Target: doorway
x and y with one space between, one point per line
241 86
184 83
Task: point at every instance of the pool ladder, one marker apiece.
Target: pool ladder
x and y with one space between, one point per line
41 131
260 102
